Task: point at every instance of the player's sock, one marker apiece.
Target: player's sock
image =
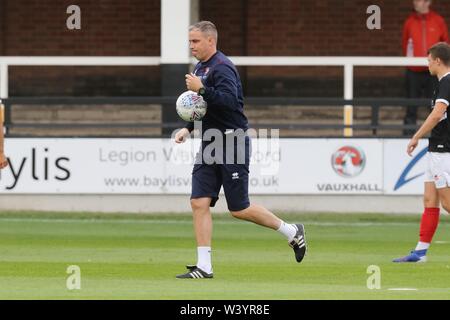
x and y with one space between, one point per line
428 226
422 246
288 230
204 259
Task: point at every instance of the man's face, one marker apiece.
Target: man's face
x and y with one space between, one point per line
432 65
200 44
422 6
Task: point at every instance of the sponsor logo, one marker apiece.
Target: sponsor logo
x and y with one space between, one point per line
38 165
235 175
404 179
348 161
348 187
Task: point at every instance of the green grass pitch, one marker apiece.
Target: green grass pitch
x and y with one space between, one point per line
137 257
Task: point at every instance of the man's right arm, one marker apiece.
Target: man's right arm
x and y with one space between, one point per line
3 160
437 114
181 135
430 122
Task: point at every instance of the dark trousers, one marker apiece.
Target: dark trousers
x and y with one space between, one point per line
418 85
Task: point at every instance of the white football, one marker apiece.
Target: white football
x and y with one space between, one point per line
191 106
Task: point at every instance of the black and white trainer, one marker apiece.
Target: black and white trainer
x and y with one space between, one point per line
195 273
299 242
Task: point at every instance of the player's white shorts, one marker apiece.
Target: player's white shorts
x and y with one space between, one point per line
438 169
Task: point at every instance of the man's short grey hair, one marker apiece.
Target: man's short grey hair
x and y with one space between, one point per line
206 27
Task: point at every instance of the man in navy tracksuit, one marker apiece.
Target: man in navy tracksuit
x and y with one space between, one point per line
216 79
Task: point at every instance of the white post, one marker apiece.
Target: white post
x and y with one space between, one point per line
175 21
3 81
348 94
195 8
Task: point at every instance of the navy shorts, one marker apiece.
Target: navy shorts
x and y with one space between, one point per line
208 178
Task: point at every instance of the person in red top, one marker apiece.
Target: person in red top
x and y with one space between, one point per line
422 29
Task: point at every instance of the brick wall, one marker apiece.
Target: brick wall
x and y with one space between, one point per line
108 28
252 27
310 27
313 28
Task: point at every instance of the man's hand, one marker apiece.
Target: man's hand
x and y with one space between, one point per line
3 161
193 82
181 135
430 122
412 145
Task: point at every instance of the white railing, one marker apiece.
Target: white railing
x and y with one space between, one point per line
348 63
5 62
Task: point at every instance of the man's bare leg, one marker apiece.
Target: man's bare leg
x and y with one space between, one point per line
293 232
202 220
259 215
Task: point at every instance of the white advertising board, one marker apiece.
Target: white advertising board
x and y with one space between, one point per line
159 166
404 175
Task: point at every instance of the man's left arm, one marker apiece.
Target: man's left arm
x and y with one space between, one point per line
3 160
